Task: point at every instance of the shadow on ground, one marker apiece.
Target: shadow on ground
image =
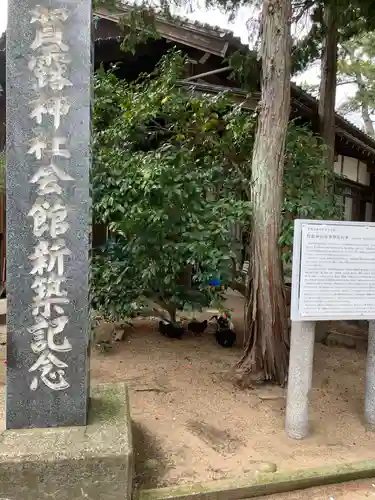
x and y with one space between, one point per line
150 462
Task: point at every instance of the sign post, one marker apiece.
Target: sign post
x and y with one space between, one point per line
333 278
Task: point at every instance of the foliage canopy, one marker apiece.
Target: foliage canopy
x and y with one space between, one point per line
356 65
171 178
165 179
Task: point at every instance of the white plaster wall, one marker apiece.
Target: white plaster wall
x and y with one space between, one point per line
348 208
363 175
350 168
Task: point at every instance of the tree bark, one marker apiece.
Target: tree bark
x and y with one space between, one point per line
369 126
327 99
267 336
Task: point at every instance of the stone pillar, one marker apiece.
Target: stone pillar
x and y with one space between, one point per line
299 380
370 377
48 212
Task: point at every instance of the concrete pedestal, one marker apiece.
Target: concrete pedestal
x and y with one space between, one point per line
70 463
370 378
299 380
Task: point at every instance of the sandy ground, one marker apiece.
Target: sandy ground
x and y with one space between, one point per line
190 424
349 491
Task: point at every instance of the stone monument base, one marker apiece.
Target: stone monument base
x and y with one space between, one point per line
70 463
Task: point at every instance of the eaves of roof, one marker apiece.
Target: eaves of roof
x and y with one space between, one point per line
217 42
300 101
207 39
344 128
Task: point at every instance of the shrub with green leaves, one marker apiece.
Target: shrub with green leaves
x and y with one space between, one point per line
305 173
168 181
171 177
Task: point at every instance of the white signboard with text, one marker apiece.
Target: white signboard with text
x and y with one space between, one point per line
333 270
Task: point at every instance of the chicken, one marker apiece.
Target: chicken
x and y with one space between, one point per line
197 327
225 334
170 330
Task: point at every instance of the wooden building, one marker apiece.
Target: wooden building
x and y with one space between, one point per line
208 50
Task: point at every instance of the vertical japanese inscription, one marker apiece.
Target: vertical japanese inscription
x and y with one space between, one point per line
49 63
48 212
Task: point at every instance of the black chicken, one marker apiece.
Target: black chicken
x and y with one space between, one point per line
225 335
170 330
197 327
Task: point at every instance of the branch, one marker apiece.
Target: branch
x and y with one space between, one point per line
305 7
160 126
244 179
349 82
153 310
363 102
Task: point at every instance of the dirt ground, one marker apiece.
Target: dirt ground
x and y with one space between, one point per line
191 424
349 491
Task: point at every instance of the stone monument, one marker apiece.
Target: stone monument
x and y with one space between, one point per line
333 279
48 211
82 454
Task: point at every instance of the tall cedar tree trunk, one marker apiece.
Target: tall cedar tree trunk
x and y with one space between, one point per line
267 336
328 82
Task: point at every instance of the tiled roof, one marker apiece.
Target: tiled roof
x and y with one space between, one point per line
193 34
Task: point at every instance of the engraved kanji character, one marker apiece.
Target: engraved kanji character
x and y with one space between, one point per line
48 55
57 214
49 70
48 177
54 106
57 80
50 32
52 372
39 343
37 147
57 326
48 182
39 109
57 107
56 151
49 286
39 325
46 258
44 16
43 306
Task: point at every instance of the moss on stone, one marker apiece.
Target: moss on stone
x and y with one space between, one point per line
106 403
